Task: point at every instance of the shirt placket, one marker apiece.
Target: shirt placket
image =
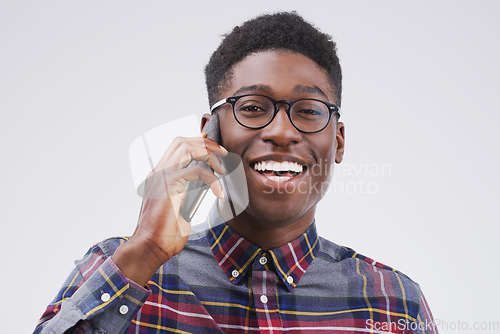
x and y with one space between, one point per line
265 296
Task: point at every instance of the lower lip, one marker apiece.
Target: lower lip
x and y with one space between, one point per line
288 185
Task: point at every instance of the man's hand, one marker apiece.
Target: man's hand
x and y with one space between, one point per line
161 231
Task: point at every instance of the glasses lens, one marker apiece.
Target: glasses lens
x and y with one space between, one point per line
254 111
310 115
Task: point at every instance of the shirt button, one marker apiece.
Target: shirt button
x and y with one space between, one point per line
289 279
105 297
123 309
263 299
235 273
263 260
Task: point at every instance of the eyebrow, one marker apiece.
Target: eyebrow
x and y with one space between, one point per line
310 90
254 88
268 90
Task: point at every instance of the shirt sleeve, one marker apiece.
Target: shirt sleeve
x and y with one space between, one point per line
96 298
425 320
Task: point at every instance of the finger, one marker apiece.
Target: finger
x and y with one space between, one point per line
171 149
214 147
160 185
216 164
209 178
217 189
197 172
181 150
179 144
201 141
187 152
178 141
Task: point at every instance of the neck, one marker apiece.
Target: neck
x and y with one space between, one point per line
270 234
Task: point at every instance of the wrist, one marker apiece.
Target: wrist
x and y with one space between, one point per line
138 261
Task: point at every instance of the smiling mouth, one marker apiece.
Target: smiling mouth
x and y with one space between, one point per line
278 171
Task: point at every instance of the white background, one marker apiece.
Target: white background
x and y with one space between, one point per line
79 81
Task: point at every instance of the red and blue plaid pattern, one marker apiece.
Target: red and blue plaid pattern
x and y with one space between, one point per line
222 283
233 252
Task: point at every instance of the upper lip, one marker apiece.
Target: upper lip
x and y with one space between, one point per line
279 157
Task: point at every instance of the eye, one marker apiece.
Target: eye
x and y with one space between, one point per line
253 106
310 112
251 109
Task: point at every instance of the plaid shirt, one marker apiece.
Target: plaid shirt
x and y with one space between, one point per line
222 283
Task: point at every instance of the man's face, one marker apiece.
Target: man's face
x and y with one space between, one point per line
282 75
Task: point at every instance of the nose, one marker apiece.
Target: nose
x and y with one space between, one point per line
281 131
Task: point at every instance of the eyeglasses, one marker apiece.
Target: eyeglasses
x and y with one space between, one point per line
255 111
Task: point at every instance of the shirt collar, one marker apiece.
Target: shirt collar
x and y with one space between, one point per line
236 255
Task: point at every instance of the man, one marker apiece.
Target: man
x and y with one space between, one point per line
275 85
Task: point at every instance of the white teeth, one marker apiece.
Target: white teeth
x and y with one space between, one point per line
279 178
278 166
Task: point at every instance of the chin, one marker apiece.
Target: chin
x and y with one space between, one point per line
279 212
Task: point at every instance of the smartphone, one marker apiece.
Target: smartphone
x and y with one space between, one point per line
147 149
234 182
196 190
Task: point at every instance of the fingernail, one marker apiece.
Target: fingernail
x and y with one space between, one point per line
224 170
223 149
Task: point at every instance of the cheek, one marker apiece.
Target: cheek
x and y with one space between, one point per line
325 154
326 144
229 135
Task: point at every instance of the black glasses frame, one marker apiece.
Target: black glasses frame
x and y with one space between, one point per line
332 108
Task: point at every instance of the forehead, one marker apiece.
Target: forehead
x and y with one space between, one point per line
282 74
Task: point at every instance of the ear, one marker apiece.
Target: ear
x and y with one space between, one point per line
340 139
204 120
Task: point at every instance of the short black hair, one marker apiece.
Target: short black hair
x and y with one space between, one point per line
282 30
